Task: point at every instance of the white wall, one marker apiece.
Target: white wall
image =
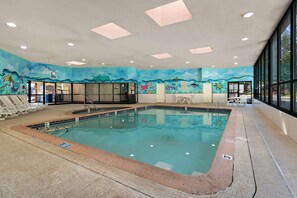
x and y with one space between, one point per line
222 98
285 122
147 98
169 98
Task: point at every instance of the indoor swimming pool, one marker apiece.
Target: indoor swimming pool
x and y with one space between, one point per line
181 140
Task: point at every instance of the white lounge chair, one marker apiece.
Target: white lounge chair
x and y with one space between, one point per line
6 103
4 113
243 100
15 99
18 105
38 106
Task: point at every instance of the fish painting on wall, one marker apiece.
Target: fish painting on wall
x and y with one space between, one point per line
12 83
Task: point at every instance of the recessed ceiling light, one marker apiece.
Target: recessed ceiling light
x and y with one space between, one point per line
23 47
152 66
83 59
102 63
171 13
75 63
162 56
10 24
187 62
245 39
201 50
131 61
235 63
235 57
213 66
70 44
248 15
111 31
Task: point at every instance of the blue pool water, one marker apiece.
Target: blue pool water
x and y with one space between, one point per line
174 139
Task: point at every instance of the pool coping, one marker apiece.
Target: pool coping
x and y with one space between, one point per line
219 176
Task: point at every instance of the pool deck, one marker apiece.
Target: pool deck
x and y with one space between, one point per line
265 164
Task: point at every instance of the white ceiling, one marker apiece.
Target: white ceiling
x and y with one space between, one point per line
47 26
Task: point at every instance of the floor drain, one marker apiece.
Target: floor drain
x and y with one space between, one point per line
65 145
227 157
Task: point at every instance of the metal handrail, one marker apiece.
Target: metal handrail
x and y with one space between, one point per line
87 98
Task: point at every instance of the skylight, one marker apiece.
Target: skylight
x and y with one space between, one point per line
201 50
171 13
111 31
75 63
162 56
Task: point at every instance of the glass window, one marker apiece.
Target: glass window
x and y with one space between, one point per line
78 93
266 67
273 59
274 95
285 50
295 76
295 96
262 93
262 71
266 94
285 96
36 92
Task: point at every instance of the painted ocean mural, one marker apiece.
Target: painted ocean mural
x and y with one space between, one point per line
15 71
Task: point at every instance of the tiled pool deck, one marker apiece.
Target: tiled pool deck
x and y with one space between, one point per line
31 167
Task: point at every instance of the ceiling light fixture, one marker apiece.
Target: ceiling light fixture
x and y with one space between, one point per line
235 63
162 56
213 66
111 31
23 47
187 62
201 50
10 24
131 61
235 57
102 63
247 14
152 66
245 39
70 44
83 59
170 13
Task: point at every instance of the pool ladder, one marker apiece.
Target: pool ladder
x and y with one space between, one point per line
216 108
86 105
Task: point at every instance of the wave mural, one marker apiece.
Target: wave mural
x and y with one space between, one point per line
15 72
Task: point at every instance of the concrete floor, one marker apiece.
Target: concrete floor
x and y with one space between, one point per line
265 164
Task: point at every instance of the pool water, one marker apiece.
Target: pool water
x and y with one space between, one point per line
174 139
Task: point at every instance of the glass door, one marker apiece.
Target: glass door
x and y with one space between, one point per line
50 93
236 89
36 92
63 93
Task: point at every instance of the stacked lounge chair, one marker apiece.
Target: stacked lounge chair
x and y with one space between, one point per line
14 105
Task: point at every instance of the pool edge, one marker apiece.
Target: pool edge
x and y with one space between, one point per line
219 177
